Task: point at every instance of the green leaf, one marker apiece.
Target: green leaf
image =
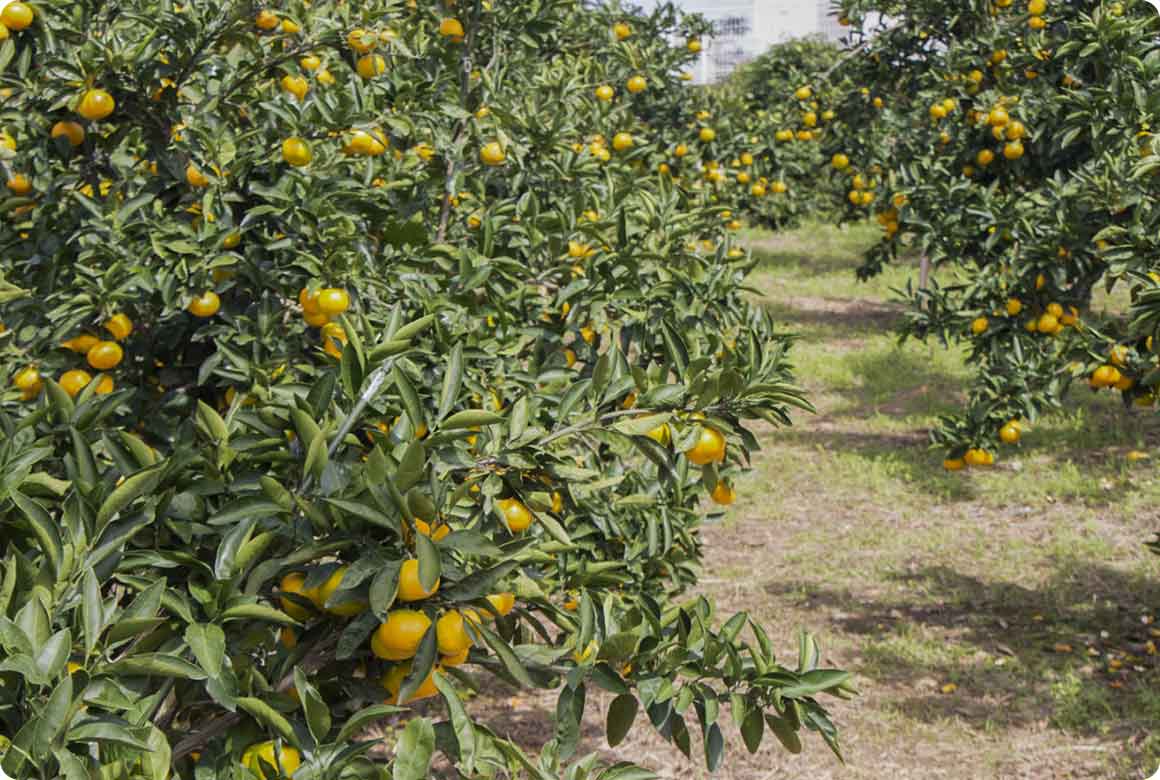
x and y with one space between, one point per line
211 423
269 717
317 713
142 483
363 718
470 419
414 751
208 643
621 714
452 381
753 729
42 527
506 655
430 566
421 665
155 664
461 724
258 612
92 609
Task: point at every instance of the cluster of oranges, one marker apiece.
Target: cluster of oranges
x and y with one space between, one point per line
1112 374
319 310
101 355
1004 128
398 638
1050 321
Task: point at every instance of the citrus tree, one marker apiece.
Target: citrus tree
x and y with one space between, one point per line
1010 143
357 354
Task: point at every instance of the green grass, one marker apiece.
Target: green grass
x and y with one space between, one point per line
977 578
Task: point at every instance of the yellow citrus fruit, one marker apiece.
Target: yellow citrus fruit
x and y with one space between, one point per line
840 162
329 588
636 84
1009 434
16 16
622 141
72 382
985 157
517 516
492 154
295 85
19 184
310 62
724 494
621 30
398 639
393 682
266 19
954 464
451 634
1014 306
194 177
1013 150
290 27
502 603
333 301
73 131
286 760
370 65
451 28
293 583
979 325
120 326
205 305
410 588
710 447
803 93
105 355
96 104
605 93
296 152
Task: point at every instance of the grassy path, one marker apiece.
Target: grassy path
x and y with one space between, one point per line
997 623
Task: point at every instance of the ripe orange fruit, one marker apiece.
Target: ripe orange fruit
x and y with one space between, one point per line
1105 376
194 177
622 141
329 588
361 41
1013 150
266 19
605 93
290 27
1048 323
724 494
451 634
693 45
204 305
20 184
370 65
621 30
105 355
28 382
1009 434
707 135
515 515
492 154
70 130
803 93
840 162
502 603
310 62
979 325
398 639
985 157
636 84
286 761
975 457
710 447
120 326
332 301
72 382
295 85
954 464
410 589
1014 306
393 682
452 28
105 385
296 152
96 104
16 16
292 583
80 344
1015 131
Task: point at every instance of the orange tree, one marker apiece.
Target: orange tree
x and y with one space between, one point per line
355 352
1010 143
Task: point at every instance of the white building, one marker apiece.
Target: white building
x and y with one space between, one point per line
746 28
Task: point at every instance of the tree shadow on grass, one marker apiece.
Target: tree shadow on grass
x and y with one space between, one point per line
1019 656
